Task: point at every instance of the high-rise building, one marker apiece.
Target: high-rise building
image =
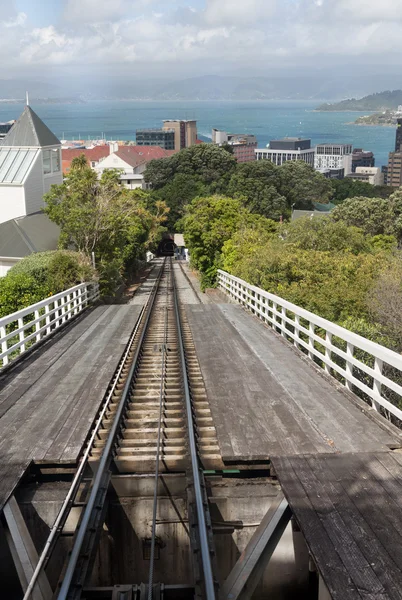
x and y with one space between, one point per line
287 149
185 133
361 158
398 137
243 144
164 138
336 157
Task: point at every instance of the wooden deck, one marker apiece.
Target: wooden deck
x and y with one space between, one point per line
349 508
267 401
49 401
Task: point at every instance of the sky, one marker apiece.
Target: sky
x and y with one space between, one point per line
52 39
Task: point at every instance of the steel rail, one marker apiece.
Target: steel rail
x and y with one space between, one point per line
202 526
162 393
107 451
66 506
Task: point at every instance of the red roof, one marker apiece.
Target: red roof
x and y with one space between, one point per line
92 154
197 141
137 155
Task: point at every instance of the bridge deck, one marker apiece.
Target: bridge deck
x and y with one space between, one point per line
349 508
48 402
266 401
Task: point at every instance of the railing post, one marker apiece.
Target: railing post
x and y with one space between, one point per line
37 325
328 352
21 334
311 329
378 365
349 365
283 328
4 345
47 318
297 331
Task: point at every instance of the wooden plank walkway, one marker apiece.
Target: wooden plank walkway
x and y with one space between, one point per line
48 403
349 508
266 401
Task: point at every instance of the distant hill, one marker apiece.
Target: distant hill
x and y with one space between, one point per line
388 100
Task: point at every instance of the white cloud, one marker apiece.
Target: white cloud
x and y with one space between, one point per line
16 21
238 12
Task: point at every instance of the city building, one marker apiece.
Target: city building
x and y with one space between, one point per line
164 138
336 157
393 173
93 156
361 158
398 137
132 161
372 175
287 149
30 162
185 133
22 236
5 128
243 144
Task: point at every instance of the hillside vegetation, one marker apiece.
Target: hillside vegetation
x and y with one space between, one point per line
381 101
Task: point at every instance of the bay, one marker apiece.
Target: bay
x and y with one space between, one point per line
267 120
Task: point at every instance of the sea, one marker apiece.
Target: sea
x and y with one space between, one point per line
268 120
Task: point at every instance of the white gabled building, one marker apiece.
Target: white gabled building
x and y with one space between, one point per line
30 162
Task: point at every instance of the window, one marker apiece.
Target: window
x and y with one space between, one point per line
55 161
47 162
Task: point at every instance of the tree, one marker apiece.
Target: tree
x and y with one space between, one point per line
302 186
349 188
385 300
257 183
325 234
177 193
98 215
375 216
211 164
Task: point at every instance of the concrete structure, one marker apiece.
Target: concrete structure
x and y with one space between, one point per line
393 173
334 157
185 132
288 149
30 162
361 158
243 144
372 175
398 137
164 138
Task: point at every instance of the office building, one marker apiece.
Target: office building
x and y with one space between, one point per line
361 158
398 137
287 149
164 138
372 175
5 128
243 144
185 133
336 157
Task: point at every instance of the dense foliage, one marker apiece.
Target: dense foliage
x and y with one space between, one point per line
98 215
349 188
41 275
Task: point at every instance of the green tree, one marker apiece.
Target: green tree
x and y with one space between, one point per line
349 188
177 193
301 185
211 164
257 184
375 216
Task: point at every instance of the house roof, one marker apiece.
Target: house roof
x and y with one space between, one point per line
137 155
30 130
92 154
24 235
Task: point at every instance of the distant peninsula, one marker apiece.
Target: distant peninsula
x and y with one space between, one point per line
380 102
386 118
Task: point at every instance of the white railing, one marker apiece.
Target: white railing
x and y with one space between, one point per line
336 349
24 328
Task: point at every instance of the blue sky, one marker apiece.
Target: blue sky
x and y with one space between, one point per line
181 38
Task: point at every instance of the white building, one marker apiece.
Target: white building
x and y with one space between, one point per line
280 156
30 162
333 157
372 175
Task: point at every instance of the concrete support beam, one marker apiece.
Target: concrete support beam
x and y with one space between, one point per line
247 572
23 551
